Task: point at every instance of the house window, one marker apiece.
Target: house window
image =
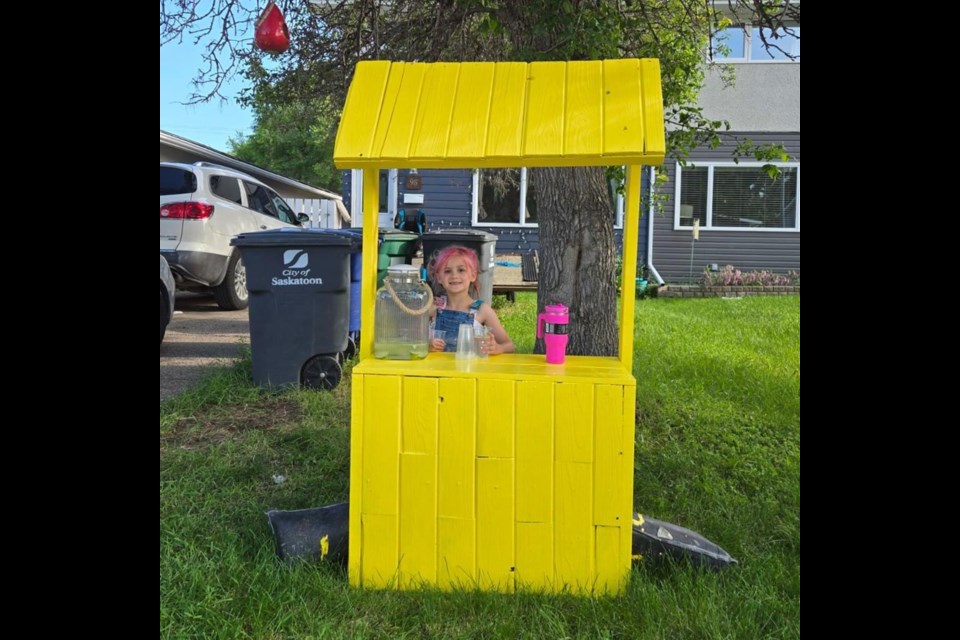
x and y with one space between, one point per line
739 44
385 190
497 194
737 196
615 191
498 203
388 196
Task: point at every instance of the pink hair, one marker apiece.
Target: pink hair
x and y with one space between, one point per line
440 259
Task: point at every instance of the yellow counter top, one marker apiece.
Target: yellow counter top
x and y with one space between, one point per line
593 369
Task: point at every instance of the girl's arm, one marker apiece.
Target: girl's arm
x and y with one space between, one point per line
502 342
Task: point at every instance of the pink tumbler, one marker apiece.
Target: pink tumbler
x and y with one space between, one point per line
552 326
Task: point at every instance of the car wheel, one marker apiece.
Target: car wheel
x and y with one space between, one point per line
164 317
232 293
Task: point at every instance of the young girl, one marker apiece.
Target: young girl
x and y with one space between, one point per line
456 269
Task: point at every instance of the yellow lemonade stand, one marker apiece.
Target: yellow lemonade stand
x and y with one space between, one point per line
504 472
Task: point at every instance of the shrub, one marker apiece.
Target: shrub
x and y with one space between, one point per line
730 276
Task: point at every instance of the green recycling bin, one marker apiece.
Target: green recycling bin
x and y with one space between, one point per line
396 247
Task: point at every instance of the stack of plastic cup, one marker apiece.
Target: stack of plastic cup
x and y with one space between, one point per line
465 344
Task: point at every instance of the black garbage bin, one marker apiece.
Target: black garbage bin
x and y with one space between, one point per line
299 284
483 243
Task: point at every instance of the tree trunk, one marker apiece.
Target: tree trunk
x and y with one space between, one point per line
577 265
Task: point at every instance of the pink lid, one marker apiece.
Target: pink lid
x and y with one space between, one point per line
555 313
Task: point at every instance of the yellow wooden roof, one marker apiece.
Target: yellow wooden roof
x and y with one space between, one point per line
502 114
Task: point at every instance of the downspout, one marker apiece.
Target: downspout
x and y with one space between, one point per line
650 268
356 197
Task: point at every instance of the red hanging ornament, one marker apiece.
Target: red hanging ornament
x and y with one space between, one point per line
272 35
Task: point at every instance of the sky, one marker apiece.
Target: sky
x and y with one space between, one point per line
209 123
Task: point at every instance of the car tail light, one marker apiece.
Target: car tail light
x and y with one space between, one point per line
186 210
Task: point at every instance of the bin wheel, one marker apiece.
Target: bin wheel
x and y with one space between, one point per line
351 349
321 372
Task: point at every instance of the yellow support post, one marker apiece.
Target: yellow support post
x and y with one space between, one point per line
628 277
368 288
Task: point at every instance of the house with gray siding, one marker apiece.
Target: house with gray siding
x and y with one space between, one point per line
744 218
460 199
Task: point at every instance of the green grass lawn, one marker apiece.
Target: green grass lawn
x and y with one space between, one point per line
718 451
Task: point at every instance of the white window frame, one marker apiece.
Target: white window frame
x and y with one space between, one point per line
709 223
387 209
747 34
475 205
619 205
618 222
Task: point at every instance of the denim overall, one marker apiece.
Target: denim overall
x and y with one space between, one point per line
450 322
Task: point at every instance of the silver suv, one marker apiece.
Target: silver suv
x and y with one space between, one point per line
203 206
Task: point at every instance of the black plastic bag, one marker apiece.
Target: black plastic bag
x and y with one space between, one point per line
311 534
655 538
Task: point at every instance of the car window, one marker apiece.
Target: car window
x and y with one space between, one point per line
226 187
174 181
258 199
286 213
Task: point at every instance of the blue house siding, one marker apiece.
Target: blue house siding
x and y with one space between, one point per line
747 250
447 203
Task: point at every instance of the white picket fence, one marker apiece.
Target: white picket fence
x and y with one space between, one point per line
323 213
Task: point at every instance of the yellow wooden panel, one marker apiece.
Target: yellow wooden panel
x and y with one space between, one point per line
654 136
537 114
612 571
456 559
381 444
511 366
361 110
418 520
420 407
628 432
534 451
584 109
432 127
623 124
495 521
535 556
573 529
608 457
507 110
543 135
379 555
391 94
631 225
396 144
495 410
356 477
574 422
471 111
457 447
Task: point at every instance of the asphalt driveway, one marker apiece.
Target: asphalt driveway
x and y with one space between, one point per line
200 335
